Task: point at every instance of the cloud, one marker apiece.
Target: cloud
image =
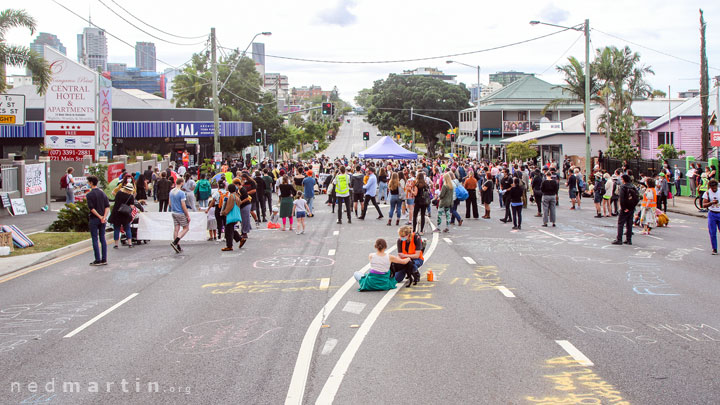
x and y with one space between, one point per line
553 14
338 15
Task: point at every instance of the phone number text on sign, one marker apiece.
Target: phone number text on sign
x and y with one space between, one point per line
70 154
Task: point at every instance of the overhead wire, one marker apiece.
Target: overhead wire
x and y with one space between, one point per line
145 32
156 28
561 56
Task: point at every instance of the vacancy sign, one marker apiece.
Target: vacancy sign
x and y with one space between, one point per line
12 109
70 111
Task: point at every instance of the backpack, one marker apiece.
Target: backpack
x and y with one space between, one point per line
461 194
581 185
425 199
64 181
633 196
204 190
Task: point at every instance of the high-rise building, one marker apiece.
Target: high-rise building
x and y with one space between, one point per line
134 78
258 56
92 48
505 78
51 40
145 56
116 67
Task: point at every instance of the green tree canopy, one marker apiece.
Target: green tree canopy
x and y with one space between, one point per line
392 98
21 56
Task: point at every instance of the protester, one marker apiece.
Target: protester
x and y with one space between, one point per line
180 214
378 277
121 214
99 207
663 190
421 195
382 189
300 209
287 192
648 219
710 201
395 202
471 204
341 187
549 188
445 203
628 198
163 192
515 194
409 246
309 192
68 183
203 191
486 195
370 192
231 213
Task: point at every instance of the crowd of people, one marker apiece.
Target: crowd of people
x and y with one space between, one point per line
238 195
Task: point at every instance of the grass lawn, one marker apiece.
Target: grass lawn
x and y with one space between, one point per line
47 241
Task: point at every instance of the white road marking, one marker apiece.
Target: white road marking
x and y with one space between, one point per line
354 307
654 237
296 390
553 235
448 241
324 283
329 346
504 290
336 233
330 389
469 260
331 252
575 353
107 311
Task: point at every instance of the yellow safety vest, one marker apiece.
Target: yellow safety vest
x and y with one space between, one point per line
342 184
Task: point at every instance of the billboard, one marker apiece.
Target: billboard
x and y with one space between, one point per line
105 118
516 126
70 108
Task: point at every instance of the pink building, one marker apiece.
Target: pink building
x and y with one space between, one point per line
680 127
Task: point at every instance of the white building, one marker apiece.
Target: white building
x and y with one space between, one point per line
145 56
92 48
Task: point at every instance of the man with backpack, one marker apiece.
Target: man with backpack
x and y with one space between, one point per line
629 198
203 191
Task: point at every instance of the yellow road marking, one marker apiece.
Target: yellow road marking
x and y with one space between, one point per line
13 276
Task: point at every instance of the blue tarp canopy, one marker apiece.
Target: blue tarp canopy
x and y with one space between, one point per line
386 148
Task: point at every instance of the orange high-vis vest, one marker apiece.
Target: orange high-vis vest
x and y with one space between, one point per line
651 203
411 248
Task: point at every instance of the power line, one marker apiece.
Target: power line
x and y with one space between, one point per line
145 32
120 39
561 56
418 59
654 50
155 28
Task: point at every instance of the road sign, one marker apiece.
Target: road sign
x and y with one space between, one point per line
715 138
12 109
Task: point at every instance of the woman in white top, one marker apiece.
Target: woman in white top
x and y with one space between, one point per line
378 277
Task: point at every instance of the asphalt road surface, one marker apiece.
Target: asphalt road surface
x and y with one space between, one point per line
350 138
541 315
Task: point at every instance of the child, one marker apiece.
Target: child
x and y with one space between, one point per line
300 209
378 277
212 223
274 222
648 220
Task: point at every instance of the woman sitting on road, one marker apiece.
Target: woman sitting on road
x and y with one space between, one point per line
378 278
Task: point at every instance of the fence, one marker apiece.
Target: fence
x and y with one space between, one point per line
645 166
9 178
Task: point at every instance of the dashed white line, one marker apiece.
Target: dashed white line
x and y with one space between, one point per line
336 233
553 235
575 353
448 241
107 311
469 260
331 252
324 283
329 346
654 237
505 291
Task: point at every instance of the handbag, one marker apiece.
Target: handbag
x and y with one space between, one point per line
234 215
125 210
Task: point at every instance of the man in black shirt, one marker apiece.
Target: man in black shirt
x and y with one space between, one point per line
537 192
549 189
505 184
99 207
628 198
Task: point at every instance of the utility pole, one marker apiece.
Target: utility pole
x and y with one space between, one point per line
588 124
216 107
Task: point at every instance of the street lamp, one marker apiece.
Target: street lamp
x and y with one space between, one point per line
586 28
479 134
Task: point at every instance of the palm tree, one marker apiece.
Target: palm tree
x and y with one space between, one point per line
574 72
192 87
21 56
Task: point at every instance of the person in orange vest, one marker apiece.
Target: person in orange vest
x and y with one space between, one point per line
648 220
185 159
410 246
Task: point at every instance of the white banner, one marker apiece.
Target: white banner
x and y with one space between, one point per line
159 226
35 179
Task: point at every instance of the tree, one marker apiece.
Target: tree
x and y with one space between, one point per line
21 56
658 93
574 77
522 150
704 91
363 98
669 152
623 127
392 98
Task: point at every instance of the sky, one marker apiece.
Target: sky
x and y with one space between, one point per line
663 32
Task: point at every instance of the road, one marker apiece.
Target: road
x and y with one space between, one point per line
281 320
349 138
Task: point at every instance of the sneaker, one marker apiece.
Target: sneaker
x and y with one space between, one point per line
617 242
115 247
545 225
226 249
553 225
714 252
627 242
96 263
460 222
175 247
242 242
303 231
514 227
446 230
103 262
339 222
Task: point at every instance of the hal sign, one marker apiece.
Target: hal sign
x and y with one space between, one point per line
715 138
12 109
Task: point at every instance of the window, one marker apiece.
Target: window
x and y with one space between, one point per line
522 115
665 138
645 141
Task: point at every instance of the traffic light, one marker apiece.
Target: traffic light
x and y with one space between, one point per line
258 137
332 109
366 136
326 108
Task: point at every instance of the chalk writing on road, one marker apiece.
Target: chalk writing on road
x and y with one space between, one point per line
577 384
419 297
221 334
267 286
276 262
656 333
22 323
